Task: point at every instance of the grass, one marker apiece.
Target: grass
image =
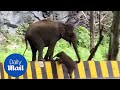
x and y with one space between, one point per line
62 45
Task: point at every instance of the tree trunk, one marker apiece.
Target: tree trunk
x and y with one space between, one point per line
93 50
91 30
114 37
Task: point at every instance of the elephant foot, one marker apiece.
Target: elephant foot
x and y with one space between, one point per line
41 60
33 60
49 59
52 59
56 59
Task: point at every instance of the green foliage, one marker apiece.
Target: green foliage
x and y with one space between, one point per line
101 53
83 36
62 45
21 29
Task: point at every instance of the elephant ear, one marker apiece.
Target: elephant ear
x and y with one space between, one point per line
69 30
69 27
61 28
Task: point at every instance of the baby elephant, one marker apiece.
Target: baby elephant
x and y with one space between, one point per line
63 58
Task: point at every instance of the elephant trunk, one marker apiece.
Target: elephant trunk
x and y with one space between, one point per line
74 43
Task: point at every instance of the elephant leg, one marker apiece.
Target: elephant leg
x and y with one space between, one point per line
40 46
40 53
34 50
51 55
36 44
70 71
50 52
33 53
70 75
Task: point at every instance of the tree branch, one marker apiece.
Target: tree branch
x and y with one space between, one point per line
93 50
85 16
35 16
65 17
101 19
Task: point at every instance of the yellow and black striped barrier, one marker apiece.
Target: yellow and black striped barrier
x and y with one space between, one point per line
53 70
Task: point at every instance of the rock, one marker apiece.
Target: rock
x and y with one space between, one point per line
2 39
10 20
13 46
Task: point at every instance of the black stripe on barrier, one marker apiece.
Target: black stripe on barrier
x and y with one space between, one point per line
98 69
109 67
118 62
54 70
25 75
32 64
65 72
17 78
87 69
1 71
9 77
44 74
76 72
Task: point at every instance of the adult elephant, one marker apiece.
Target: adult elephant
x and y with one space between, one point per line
46 33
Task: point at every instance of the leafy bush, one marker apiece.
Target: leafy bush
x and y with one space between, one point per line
83 36
21 30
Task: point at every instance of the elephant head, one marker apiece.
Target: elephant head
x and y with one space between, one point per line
67 33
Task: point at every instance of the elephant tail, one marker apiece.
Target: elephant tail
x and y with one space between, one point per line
26 45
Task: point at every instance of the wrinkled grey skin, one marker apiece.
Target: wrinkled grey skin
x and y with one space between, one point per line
46 33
